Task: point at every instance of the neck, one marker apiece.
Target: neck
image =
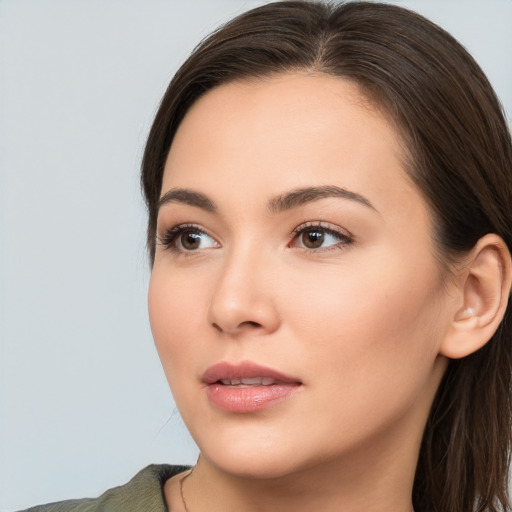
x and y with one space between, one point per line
378 480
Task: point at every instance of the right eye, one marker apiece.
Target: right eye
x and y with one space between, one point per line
187 239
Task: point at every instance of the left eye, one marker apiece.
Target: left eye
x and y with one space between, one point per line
317 237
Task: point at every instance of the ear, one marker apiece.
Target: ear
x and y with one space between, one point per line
484 284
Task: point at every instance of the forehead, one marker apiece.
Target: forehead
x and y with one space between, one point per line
287 131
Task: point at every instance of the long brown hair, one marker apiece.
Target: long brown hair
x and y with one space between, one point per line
460 157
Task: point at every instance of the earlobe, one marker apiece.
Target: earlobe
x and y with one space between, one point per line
484 282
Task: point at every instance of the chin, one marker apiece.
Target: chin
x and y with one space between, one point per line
254 466
254 452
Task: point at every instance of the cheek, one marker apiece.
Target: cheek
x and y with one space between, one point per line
175 316
370 343
368 323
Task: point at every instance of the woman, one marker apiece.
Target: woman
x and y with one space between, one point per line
329 194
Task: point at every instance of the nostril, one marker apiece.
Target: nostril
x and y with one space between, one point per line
250 323
247 324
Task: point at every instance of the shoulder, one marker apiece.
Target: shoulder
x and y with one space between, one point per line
143 492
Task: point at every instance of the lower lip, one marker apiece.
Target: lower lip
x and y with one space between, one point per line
248 399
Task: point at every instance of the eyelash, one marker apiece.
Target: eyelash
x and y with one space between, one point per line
169 239
171 236
344 239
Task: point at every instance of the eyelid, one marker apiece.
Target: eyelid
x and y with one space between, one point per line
168 238
344 236
325 226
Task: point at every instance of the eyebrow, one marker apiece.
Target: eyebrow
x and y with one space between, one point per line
185 196
301 196
280 203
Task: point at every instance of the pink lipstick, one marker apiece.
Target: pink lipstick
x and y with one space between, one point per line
246 387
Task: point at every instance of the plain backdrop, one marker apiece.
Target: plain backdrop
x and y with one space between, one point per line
83 400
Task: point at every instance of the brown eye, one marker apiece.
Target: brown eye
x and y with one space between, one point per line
190 240
318 237
313 239
184 238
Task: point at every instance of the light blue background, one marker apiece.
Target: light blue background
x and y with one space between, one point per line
83 401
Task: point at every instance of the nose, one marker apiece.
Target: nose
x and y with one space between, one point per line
243 299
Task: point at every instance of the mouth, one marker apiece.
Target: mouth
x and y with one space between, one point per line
248 382
247 387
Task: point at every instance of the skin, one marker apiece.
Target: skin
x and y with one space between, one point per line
360 321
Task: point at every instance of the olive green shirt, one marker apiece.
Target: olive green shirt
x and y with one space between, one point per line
143 493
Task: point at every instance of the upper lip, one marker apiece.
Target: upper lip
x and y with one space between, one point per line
244 370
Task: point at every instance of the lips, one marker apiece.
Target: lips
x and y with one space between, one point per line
247 387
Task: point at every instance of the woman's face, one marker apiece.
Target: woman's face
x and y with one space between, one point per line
296 302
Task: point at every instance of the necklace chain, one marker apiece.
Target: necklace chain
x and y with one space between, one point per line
181 490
